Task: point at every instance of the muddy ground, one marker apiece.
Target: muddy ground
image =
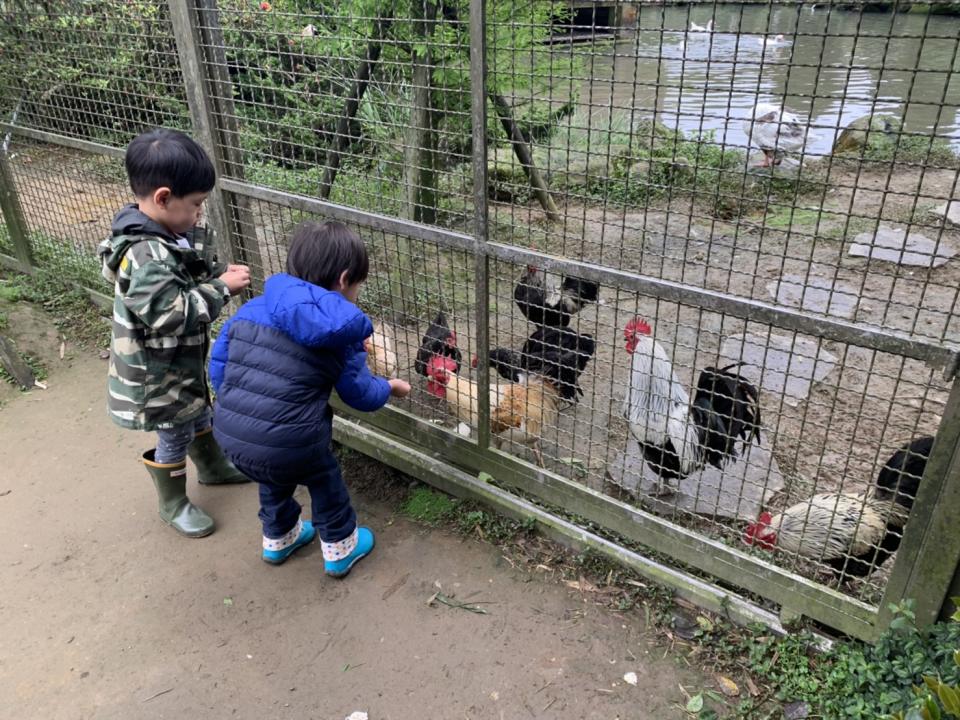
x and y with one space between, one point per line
836 438
109 614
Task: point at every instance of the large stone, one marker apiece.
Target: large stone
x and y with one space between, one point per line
949 211
899 247
739 491
779 365
868 130
815 294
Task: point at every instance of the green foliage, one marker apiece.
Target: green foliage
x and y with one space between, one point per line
855 680
905 148
99 70
939 696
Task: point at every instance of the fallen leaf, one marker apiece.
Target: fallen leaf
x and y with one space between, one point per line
695 704
228 601
63 349
630 678
728 687
583 585
41 385
704 623
752 687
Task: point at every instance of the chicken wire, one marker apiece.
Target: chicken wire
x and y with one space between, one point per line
617 144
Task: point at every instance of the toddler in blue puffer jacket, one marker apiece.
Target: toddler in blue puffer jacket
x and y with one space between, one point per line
274 366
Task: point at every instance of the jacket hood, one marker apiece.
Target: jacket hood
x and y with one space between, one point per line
313 316
127 227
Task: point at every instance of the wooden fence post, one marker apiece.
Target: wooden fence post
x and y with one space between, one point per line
214 121
13 214
928 557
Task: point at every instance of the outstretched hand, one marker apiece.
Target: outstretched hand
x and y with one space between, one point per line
399 388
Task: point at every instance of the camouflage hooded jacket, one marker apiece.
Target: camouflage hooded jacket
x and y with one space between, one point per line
166 293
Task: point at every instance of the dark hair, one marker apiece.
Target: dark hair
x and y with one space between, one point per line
320 252
167 158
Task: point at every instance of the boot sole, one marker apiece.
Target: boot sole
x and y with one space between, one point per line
181 533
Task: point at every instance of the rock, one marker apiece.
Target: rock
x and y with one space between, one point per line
949 211
796 711
739 491
815 294
868 130
779 364
896 246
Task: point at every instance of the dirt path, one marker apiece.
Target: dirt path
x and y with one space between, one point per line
108 614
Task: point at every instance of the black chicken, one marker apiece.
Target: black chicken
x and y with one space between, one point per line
544 302
439 340
558 354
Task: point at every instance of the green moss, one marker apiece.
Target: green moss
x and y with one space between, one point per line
428 506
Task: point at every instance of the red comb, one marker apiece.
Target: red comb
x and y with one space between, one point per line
475 361
637 325
765 518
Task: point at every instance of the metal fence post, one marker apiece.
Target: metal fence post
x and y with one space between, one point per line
13 214
214 125
930 552
478 108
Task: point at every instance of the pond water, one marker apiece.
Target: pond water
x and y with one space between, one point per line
832 67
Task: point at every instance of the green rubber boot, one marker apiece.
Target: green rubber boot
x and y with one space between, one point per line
213 468
176 510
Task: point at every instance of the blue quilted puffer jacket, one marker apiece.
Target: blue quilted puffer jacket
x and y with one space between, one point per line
273 368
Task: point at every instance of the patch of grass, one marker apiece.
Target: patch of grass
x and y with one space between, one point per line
74 315
9 293
784 218
428 506
914 149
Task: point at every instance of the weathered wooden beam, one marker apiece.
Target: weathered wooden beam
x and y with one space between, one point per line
929 555
419 166
14 365
13 214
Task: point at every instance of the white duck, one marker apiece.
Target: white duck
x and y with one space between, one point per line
775 131
771 42
700 28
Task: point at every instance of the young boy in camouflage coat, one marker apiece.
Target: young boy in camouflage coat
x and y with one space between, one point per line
168 288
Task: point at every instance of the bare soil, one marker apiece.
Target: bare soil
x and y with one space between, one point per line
109 614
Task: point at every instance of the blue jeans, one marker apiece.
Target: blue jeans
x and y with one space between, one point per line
333 515
172 443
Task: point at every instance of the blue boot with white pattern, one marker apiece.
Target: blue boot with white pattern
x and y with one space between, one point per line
339 557
277 550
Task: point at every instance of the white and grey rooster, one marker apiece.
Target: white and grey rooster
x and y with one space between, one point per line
679 437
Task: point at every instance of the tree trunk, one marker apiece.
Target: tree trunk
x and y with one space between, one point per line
522 150
419 167
341 140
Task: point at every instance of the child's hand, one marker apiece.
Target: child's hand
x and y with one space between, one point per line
399 388
237 278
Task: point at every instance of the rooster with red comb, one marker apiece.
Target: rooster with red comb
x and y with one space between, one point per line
679 437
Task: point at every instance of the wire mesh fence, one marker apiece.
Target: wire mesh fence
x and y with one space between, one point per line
720 291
